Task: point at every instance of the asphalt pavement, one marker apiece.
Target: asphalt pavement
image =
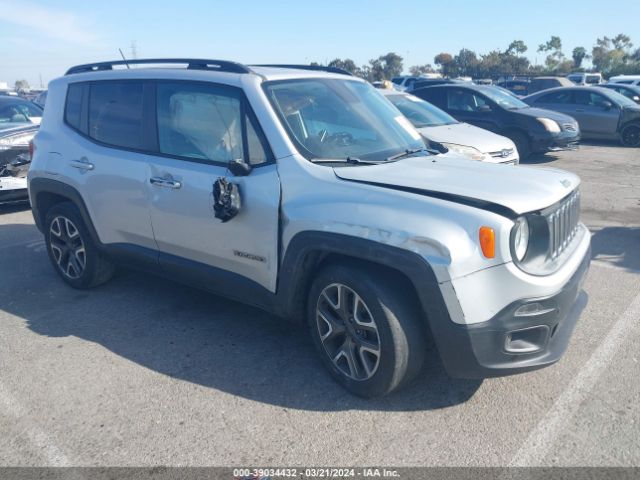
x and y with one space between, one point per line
143 371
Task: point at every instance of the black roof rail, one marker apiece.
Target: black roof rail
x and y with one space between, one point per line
319 68
192 63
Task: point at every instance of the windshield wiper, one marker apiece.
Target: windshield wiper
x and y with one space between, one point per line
349 160
411 151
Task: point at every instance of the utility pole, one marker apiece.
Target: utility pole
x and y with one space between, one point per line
134 50
41 84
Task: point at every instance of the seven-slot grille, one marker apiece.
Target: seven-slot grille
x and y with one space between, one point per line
563 224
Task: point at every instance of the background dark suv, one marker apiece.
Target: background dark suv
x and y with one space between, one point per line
531 129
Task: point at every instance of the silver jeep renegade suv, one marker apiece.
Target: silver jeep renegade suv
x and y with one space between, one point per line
304 192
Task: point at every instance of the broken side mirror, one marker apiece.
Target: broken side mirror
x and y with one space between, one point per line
239 168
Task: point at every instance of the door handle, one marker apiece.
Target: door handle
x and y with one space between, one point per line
82 164
580 110
165 182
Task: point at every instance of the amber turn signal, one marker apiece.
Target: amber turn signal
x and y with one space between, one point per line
487 241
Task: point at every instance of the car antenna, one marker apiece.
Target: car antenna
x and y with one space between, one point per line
125 60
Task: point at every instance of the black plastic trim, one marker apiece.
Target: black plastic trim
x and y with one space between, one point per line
192 64
315 68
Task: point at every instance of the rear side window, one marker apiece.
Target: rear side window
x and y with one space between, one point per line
437 96
556 97
73 107
115 114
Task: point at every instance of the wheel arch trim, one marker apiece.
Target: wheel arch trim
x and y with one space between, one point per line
40 186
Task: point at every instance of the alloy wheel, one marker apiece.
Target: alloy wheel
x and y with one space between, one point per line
631 136
348 332
67 247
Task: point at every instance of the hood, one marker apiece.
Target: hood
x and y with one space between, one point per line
543 112
467 135
501 188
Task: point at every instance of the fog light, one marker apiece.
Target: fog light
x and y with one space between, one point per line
527 340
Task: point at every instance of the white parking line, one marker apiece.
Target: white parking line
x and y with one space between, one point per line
541 440
39 440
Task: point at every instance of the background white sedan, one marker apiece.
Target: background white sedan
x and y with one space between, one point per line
440 127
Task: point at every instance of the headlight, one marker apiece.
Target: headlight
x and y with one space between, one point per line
470 152
550 125
521 238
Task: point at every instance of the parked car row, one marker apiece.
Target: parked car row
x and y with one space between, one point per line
488 107
603 114
19 121
14 160
441 129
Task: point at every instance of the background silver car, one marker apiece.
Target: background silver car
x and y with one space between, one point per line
601 113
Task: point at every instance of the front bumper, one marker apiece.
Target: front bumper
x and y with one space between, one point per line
509 343
13 189
547 142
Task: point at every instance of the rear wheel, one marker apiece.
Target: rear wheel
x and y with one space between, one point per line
71 249
631 135
366 329
523 144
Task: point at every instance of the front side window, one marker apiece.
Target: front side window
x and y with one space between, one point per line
464 101
591 99
115 114
199 121
419 112
336 119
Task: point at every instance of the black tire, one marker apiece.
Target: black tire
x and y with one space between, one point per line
72 252
630 135
400 338
523 144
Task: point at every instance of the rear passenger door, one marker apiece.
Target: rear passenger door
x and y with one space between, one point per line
200 128
102 158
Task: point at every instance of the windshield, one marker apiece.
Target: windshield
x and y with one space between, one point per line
504 100
19 111
337 119
620 99
419 112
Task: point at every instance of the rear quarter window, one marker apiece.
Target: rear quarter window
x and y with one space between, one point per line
73 105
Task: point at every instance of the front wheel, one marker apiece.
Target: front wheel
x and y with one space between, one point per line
631 135
366 329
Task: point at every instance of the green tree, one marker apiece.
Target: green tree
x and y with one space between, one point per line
466 63
418 70
517 47
445 62
610 55
346 64
21 86
579 54
385 67
555 57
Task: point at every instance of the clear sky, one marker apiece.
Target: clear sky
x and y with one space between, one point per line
43 38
